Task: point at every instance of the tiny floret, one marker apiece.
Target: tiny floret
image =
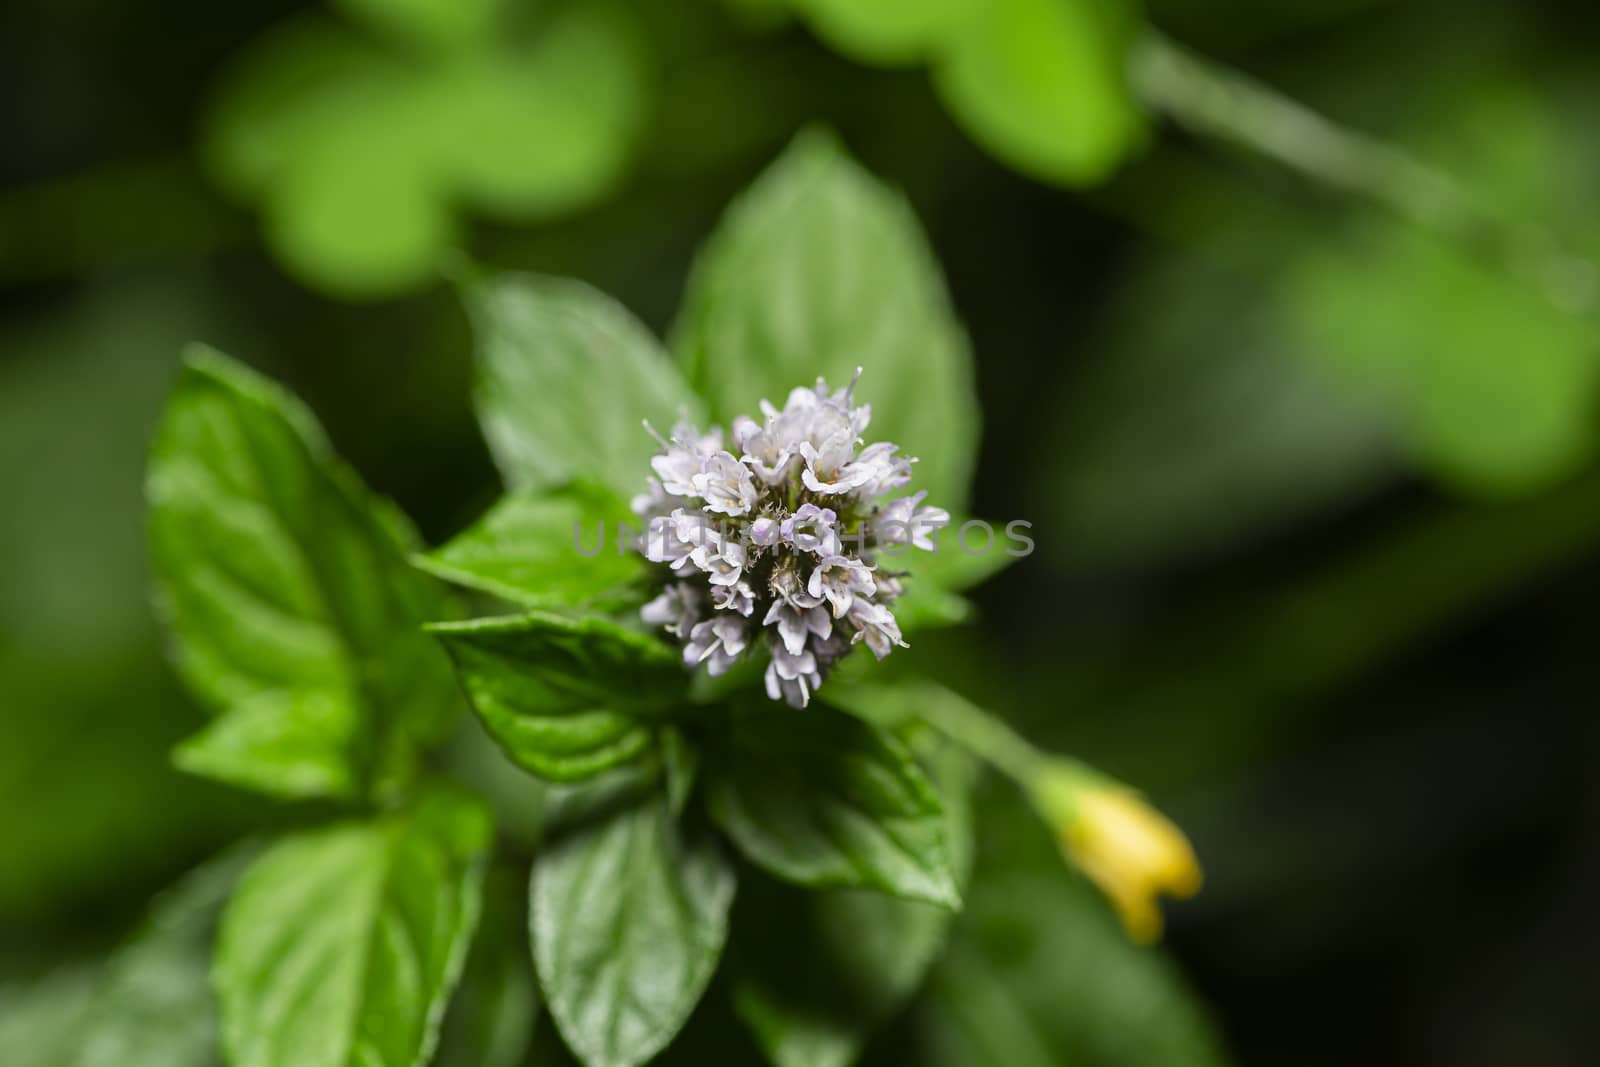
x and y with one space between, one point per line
769 545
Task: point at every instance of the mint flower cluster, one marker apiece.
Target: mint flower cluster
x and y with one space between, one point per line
775 542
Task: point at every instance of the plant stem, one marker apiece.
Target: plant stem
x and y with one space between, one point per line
1211 100
981 733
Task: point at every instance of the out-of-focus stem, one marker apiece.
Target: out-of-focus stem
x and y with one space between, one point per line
1212 100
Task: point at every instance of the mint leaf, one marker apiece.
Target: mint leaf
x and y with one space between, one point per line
289 744
152 1002
826 800
41 1019
546 549
566 378
816 270
887 31
1043 85
815 973
341 946
283 581
565 698
629 915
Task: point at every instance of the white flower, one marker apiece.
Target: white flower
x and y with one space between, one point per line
725 485
792 678
683 458
903 521
840 579
781 527
723 558
829 468
877 626
787 585
655 501
670 539
878 470
738 597
812 529
765 531
795 624
716 642
676 609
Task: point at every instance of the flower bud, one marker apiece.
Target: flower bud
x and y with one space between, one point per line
1126 847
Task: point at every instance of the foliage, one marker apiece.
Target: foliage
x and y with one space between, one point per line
304 617
362 142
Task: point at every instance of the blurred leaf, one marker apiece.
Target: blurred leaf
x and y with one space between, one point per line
435 23
824 800
544 345
359 214
1493 389
888 31
1206 426
544 129
360 153
342 946
629 916
282 579
1043 85
1487 369
40 1022
154 1005
815 973
492 1016
288 743
563 696
293 85
1039 973
545 549
818 269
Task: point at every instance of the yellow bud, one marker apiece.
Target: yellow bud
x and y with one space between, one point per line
1126 847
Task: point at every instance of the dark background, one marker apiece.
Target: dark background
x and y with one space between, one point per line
1362 688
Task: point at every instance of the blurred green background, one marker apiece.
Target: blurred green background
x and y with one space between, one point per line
1312 479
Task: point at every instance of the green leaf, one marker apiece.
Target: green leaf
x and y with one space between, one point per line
819 269
825 800
565 698
1495 395
154 1004
1043 85
148 1005
285 586
360 152
566 379
341 946
816 973
529 133
888 31
289 744
492 1017
629 915
1039 973
41 1020
356 213
546 549
434 23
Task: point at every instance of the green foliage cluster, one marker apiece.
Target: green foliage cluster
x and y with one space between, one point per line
362 137
304 614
